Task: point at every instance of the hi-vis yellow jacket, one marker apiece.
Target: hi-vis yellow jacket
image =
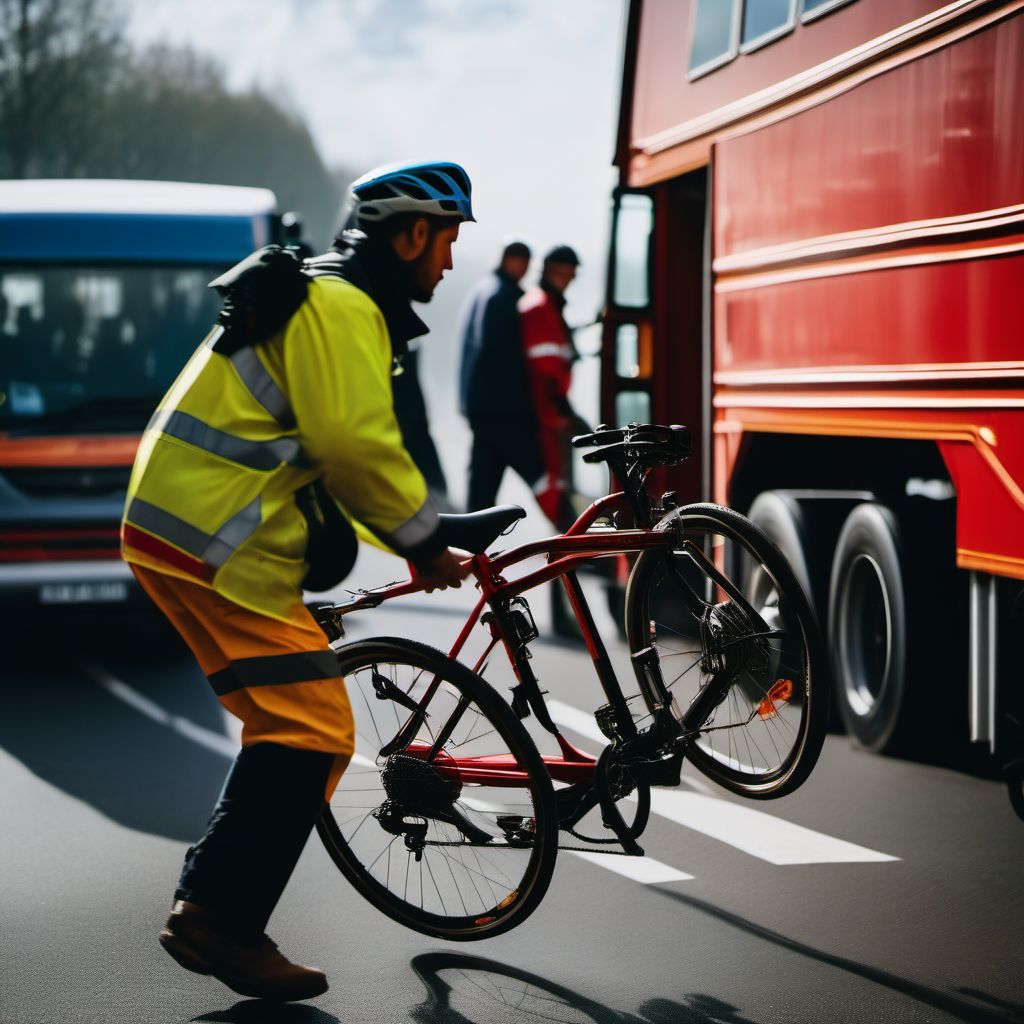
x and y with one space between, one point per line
212 493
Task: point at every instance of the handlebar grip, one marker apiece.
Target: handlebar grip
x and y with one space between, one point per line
621 447
598 437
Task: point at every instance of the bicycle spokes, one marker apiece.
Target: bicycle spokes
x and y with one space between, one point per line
736 666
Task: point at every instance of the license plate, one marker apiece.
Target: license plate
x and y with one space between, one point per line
83 593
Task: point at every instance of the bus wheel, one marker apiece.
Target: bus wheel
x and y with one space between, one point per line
868 627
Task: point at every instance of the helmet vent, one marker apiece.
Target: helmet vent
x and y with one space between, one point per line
371 192
436 182
410 187
448 204
457 175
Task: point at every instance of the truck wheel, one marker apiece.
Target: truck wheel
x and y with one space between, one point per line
780 516
868 627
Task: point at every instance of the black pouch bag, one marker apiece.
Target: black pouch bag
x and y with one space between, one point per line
261 294
332 546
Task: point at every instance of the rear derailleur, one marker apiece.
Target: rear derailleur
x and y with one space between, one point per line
416 790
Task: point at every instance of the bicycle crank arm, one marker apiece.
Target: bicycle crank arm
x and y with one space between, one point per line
610 814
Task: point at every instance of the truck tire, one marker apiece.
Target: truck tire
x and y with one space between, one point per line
781 517
868 628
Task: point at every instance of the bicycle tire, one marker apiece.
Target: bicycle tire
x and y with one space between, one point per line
797 653
471 889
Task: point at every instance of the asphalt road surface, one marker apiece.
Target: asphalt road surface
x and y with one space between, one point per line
883 890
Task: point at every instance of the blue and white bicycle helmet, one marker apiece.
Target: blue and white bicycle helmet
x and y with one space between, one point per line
433 189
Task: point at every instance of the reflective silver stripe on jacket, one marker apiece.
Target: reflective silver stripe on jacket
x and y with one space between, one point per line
261 385
259 455
550 348
213 549
415 530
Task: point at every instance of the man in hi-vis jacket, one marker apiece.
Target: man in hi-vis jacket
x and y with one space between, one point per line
263 459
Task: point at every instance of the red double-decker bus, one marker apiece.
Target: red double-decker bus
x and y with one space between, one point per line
818 264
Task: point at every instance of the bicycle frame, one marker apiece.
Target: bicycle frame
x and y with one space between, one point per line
565 552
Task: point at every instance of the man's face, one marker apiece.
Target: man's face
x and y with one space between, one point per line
516 266
559 275
428 268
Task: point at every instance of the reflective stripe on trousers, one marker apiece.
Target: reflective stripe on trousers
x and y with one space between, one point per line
289 690
274 670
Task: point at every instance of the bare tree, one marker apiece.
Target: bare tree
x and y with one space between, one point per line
58 59
75 101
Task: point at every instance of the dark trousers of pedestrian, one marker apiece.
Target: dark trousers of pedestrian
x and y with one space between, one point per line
500 443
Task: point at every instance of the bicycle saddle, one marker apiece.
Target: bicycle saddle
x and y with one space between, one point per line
476 531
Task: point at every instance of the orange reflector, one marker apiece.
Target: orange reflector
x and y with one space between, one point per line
782 690
509 899
484 920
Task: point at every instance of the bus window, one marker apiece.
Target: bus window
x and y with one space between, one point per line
633 224
75 338
715 25
814 8
633 351
766 20
632 407
627 351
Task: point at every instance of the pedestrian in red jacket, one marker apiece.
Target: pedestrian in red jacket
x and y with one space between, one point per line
550 354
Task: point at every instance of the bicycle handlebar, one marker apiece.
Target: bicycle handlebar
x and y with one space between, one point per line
640 443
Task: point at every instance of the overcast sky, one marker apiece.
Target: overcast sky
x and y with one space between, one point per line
524 93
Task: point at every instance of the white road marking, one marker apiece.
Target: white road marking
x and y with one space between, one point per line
761 835
754 832
645 870
197 733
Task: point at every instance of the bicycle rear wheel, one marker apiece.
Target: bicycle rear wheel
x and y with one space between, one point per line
445 820
763 737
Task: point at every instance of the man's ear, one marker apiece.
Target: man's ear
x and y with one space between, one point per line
411 243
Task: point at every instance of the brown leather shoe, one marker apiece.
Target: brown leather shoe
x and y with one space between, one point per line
193 937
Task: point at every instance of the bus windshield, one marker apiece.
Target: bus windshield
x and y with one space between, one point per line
93 348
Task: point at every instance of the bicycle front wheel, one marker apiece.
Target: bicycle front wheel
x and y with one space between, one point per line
764 732
446 819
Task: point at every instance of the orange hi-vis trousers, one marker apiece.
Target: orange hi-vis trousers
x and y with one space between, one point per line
280 678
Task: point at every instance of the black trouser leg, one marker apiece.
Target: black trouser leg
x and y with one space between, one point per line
268 807
501 442
486 468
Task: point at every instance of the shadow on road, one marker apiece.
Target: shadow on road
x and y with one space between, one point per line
465 989
946 1002
256 1011
74 734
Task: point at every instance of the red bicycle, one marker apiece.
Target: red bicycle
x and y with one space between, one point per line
449 819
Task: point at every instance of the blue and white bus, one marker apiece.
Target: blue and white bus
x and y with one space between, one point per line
103 297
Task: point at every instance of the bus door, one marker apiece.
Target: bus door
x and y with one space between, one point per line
654 363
